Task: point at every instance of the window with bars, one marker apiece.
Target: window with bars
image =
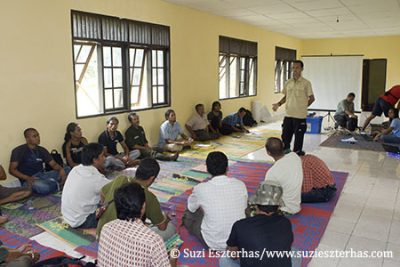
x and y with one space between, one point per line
237 68
283 66
119 64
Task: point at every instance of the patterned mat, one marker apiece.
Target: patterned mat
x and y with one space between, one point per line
361 144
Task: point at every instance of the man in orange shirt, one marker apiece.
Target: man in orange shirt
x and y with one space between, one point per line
382 105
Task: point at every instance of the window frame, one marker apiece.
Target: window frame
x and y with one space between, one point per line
125 46
285 58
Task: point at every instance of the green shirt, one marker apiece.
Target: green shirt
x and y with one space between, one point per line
153 208
135 136
344 106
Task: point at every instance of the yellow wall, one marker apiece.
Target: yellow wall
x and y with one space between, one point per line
371 47
36 72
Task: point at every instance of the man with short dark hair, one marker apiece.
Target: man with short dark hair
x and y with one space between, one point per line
215 205
135 139
344 115
199 127
234 123
109 139
81 193
145 175
298 95
127 241
267 230
391 134
27 164
287 171
172 137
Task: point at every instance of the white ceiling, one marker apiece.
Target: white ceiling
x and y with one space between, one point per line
309 18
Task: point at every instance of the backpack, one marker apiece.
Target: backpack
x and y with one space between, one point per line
63 261
57 158
248 119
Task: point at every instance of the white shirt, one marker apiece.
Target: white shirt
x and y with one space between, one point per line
81 194
288 172
197 122
223 201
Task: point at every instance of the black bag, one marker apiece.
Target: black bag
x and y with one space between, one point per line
57 158
63 262
248 119
352 124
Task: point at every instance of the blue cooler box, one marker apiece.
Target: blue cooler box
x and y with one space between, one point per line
314 124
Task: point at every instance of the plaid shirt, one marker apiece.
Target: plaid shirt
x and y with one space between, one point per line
125 243
315 173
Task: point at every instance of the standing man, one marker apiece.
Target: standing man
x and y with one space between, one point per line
27 164
298 97
344 115
382 105
109 139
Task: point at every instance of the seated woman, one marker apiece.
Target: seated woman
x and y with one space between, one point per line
11 194
215 117
73 144
391 134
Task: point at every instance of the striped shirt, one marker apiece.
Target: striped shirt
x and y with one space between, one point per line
127 243
315 173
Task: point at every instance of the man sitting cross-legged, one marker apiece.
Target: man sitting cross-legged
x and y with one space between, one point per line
126 240
287 172
215 205
199 127
145 175
318 182
135 139
81 193
109 139
27 162
267 230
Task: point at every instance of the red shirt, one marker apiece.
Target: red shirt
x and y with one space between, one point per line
392 96
315 173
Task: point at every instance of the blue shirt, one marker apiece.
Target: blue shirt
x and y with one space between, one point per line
233 120
395 125
169 131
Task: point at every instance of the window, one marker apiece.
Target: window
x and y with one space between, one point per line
119 65
283 66
237 68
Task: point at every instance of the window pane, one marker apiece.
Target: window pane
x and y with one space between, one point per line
118 77
107 78
118 98
160 77
160 58
252 81
155 97
136 76
108 99
117 57
76 50
161 96
154 78
132 54
233 86
134 95
78 70
154 58
84 54
107 56
242 62
139 57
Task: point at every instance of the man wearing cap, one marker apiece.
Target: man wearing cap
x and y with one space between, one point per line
287 171
266 230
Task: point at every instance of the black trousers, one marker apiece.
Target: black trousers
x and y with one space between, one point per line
296 127
346 122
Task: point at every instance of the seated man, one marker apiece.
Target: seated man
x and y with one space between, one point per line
287 172
344 115
109 139
11 194
266 230
382 105
27 165
126 241
145 175
199 127
234 123
172 137
81 193
215 205
135 139
391 134
318 182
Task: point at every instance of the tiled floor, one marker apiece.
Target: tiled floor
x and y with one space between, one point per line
367 216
